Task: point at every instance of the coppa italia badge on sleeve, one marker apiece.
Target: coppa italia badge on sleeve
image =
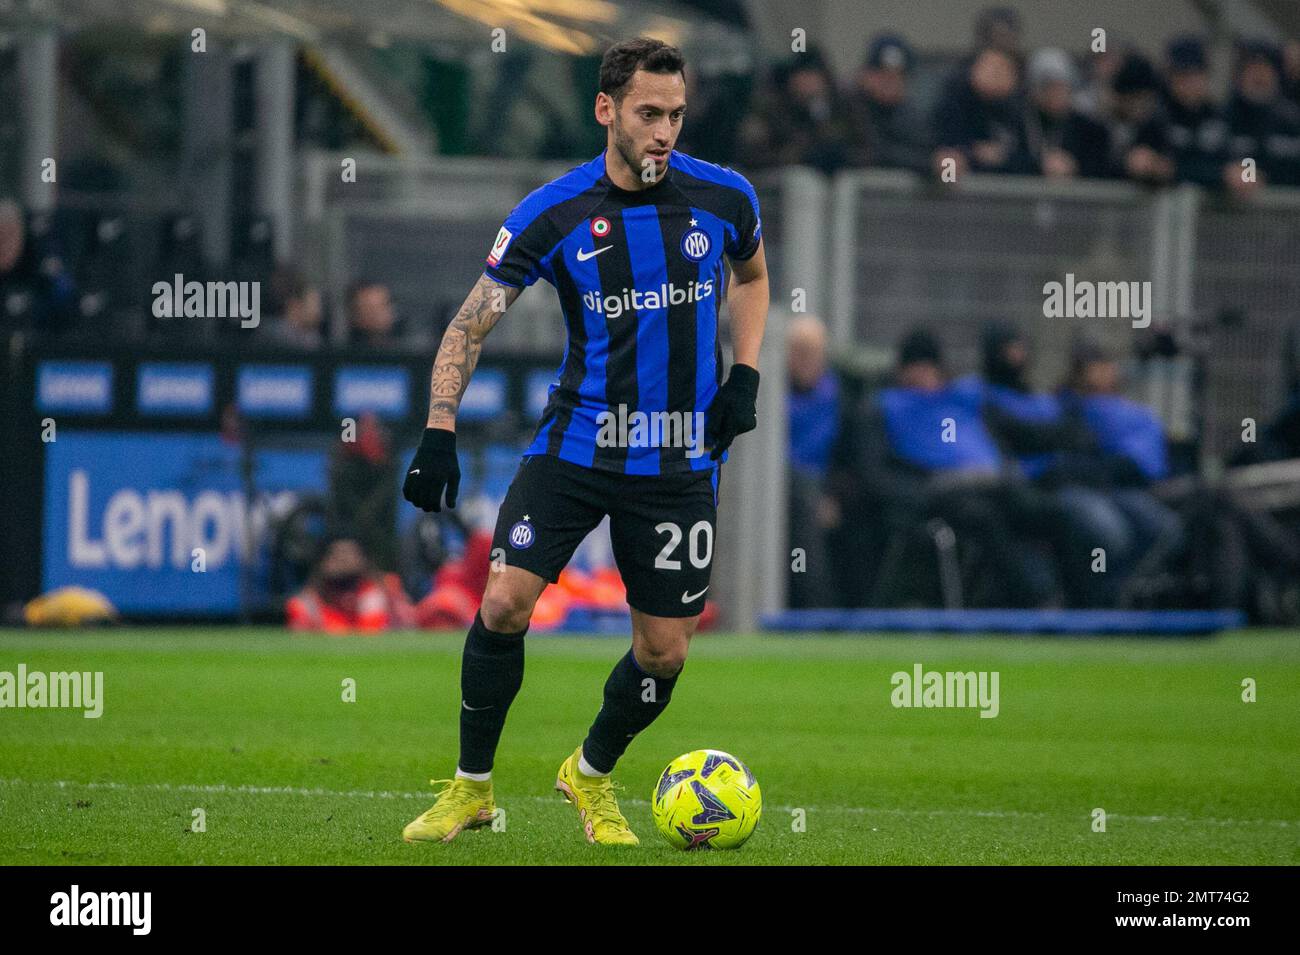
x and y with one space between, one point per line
499 246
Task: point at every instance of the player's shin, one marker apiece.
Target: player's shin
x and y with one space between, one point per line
633 700
492 670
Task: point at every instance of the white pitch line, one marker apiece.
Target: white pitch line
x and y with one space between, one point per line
224 789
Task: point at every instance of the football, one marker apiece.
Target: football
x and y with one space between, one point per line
707 799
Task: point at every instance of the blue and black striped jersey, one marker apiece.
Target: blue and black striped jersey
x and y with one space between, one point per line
640 280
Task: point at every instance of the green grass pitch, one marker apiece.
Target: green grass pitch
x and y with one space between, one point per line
250 726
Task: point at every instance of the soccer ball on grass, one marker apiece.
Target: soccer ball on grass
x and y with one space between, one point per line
707 799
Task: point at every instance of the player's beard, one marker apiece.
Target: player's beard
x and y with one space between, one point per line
627 149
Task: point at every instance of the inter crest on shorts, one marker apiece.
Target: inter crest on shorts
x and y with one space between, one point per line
695 244
522 535
600 227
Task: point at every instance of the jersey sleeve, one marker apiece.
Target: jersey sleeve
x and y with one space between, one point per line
516 256
749 226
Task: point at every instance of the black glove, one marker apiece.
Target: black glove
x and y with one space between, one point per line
434 468
733 410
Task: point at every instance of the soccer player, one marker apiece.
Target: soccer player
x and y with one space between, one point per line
635 428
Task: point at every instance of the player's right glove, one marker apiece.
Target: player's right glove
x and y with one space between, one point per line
734 410
433 470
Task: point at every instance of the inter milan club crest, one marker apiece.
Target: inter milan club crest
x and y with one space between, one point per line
695 244
600 227
521 535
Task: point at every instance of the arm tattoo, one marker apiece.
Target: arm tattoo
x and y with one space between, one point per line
461 344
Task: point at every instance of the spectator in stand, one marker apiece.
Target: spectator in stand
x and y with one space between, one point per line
999 28
719 102
980 122
1064 142
1128 433
1029 425
1095 96
1137 148
371 320
1129 456
1191 129
35 291
814 409
889 132
1262 124
343 594
458 584
801 120
922 450
1047 435
363 489
298 325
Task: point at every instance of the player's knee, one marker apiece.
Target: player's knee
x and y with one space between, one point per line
662 659
506 609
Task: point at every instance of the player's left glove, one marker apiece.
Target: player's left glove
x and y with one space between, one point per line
433 470
734 410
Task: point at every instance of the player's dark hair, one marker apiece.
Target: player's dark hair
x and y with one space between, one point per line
643 53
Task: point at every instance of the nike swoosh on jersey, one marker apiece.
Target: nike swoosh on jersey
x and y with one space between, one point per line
583 255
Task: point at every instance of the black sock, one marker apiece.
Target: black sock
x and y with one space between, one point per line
491 672
633 700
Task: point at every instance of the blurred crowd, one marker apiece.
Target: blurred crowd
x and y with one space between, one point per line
1002 108
1111 115
978 490
97 295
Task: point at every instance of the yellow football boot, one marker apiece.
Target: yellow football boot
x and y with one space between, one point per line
593 796
462 804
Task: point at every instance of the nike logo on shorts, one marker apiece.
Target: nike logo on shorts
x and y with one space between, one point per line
474 709
687 598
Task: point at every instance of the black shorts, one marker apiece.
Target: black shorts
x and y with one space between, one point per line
662 528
